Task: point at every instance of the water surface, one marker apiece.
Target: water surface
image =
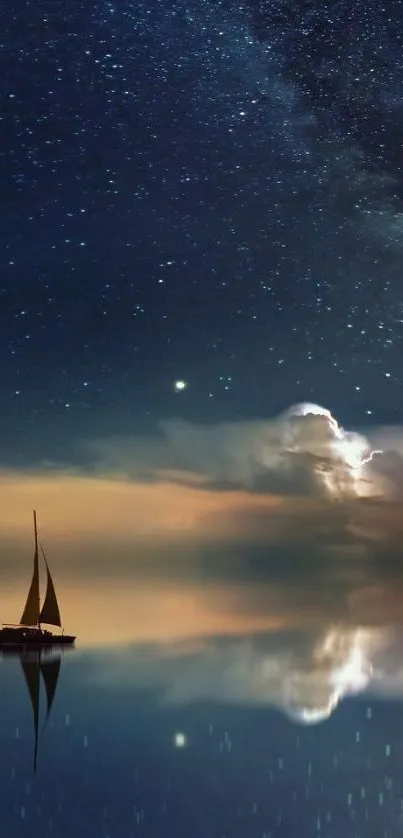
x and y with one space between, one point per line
268 706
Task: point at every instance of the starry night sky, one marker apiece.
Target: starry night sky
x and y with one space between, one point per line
206 191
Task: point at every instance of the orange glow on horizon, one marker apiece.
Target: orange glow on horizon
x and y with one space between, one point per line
103 614
73 505
111 542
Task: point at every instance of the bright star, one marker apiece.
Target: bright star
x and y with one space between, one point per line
179 386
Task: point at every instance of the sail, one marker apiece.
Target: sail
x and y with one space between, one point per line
50 609
30 615
31 672
50 674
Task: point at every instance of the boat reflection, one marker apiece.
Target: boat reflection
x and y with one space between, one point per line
41 664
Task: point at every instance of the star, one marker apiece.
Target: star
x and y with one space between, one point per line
180 385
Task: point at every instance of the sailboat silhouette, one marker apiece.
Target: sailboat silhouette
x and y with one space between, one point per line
33 668
29 632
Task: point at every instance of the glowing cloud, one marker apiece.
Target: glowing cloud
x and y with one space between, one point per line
304 451
341 456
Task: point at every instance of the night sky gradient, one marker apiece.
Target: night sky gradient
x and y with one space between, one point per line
206 191
202 226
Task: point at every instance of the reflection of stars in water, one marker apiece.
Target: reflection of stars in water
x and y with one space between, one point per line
180 740
180 385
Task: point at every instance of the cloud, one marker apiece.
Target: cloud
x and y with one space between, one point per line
229 454
301 452
244 487
78 506
246 527
264 484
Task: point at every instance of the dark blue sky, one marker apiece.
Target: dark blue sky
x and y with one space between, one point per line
199 191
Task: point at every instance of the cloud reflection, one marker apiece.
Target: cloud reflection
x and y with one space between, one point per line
304 676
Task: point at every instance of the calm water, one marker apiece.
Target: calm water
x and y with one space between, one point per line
281 719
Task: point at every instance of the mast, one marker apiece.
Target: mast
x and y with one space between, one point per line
31 613
36 558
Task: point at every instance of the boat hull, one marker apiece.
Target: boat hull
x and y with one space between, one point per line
32 638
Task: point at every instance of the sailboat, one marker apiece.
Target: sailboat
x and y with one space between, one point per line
29 632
